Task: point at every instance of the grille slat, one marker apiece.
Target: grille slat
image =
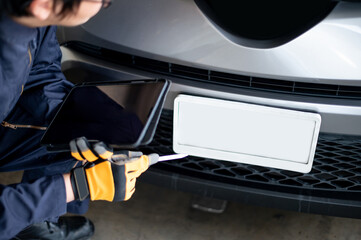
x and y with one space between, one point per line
220 78
333 168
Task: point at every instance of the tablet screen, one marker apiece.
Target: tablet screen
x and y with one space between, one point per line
117 114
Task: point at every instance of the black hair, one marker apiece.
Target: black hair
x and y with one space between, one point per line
19 8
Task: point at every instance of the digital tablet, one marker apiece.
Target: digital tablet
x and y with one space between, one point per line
123 114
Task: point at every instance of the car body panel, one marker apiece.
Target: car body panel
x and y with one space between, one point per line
178 32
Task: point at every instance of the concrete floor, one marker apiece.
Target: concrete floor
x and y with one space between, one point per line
155 213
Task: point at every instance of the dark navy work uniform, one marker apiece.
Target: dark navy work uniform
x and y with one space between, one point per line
31 89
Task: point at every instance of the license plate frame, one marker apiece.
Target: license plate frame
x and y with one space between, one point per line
245 133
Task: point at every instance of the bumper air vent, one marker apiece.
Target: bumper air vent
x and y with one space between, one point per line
220 78
336 171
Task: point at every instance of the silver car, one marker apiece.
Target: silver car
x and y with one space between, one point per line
265 96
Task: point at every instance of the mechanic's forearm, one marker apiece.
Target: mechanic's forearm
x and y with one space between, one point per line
68 188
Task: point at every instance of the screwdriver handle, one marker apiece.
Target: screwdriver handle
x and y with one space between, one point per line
122 159
153 158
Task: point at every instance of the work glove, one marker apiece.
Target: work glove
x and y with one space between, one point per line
106 176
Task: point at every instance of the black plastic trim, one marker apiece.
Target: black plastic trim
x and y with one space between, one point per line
220 78
335 179
242 194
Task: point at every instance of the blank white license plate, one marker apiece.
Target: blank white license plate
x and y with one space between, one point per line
245 133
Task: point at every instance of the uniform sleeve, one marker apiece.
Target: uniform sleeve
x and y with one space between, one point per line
27 203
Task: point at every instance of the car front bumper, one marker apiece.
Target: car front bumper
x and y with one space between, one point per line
333 187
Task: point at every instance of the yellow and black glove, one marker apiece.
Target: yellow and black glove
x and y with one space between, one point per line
82 150
102 177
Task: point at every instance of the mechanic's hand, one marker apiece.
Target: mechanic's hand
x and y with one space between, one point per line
112 182
82 150
113 179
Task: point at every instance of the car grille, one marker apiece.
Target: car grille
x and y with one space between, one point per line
336 170
220 78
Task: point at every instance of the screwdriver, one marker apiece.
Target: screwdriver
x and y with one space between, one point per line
121 159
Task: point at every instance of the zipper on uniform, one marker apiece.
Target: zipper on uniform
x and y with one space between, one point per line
15 126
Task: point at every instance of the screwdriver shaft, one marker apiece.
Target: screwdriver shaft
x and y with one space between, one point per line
171 157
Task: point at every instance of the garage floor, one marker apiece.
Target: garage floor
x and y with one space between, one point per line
156 213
